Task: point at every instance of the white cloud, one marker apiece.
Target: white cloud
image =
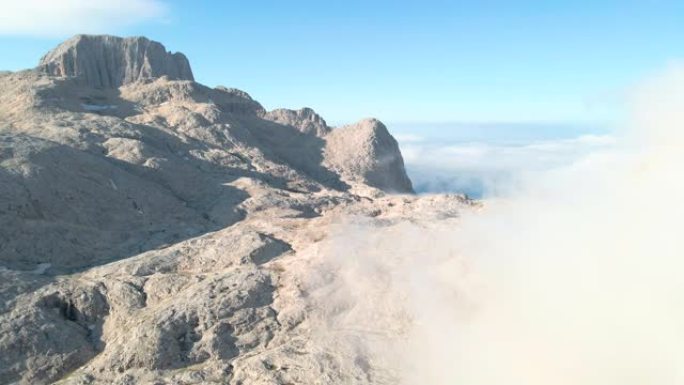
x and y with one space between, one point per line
408 138
573 279
59 18
481 167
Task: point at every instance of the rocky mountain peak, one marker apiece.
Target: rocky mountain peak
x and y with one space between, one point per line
104 61
156 230
366 152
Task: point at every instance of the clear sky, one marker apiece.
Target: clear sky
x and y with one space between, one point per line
401 61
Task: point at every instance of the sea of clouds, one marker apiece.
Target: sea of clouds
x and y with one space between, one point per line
573 276
487 161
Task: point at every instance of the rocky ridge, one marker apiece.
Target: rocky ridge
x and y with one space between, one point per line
157 231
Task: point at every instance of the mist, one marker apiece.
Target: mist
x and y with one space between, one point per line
573 276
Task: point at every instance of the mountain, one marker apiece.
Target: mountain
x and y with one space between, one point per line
110 61
152 228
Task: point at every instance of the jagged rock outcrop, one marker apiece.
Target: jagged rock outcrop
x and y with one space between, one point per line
110 61
160 232
305 120
366 152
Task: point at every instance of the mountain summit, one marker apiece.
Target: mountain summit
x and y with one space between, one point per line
110 61
156 230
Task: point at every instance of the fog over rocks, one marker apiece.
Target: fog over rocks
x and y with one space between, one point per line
156 230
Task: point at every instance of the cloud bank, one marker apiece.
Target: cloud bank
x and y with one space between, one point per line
486 169
59 18
574 278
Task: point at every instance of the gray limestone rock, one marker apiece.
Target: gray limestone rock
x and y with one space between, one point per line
305 120
366 152
110 61
157 231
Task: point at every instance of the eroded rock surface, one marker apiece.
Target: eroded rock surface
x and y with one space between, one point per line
157 231
110 61
305 120
365 152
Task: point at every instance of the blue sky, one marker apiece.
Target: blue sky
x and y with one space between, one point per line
476 92
401 61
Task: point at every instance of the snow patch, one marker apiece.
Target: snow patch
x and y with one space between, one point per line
97 107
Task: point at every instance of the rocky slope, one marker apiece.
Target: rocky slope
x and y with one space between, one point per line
155 230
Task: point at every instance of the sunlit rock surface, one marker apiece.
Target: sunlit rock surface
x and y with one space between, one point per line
155 230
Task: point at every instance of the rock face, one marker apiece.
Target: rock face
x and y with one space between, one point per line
305 120
367 153
157 231
110 62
